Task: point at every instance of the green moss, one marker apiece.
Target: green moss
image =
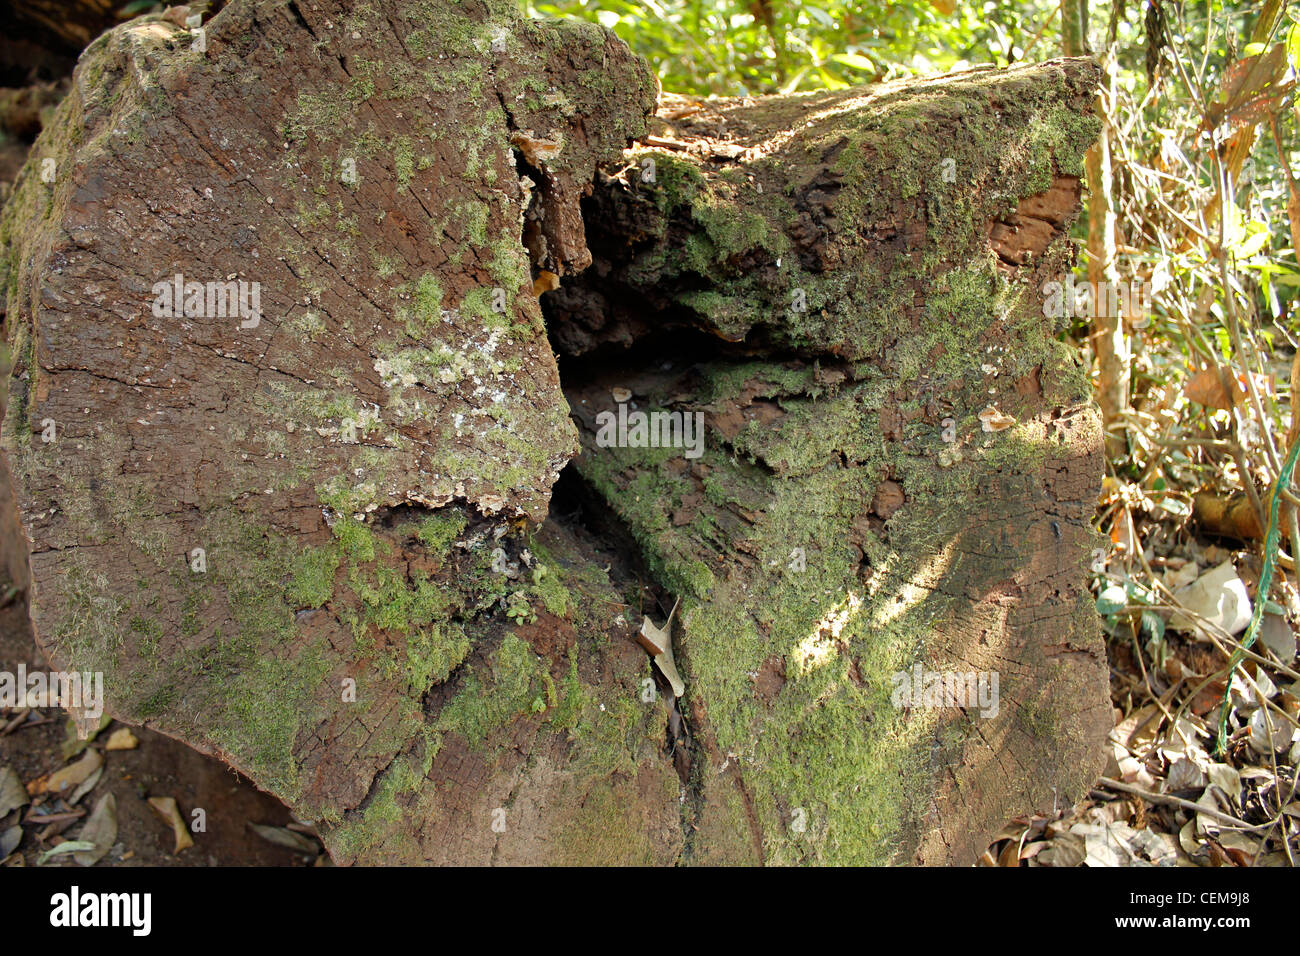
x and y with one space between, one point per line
313 577
403 162
428 299
393 602
320 114
438 530
676 181
357 540
263 715
552 592
473 219
489 701
432 653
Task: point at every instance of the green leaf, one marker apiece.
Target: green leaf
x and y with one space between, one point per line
71 846
1153 625
855 60
1293 45
1112 600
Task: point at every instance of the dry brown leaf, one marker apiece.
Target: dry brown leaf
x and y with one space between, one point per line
85 787
100 830
12 793
1010 855
67 780
122 739
76 739
1032 850
281 836
659 642
1204 388
166 808
1066 849
1251 86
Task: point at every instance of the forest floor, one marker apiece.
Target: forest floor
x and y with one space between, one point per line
1168 797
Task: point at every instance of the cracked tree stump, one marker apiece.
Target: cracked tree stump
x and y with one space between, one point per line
284 427
856 281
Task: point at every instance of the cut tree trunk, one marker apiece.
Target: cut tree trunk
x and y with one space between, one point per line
318 532
846 286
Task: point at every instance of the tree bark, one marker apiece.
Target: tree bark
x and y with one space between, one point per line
322 537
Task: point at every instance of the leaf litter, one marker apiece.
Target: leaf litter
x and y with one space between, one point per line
1167 798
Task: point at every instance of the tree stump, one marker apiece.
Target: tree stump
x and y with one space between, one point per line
285 427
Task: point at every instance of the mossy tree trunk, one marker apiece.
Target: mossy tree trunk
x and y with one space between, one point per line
845 286
308 532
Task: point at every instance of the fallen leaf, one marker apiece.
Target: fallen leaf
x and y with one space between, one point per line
1010 855
659 642
12 793
1100 846
1185 775
1269 733
166 808
1159 848
1066 849
1243 844
1226 779
67 780
1276 634
68 846
1187 840
74 742
1181 577
85 787
1218 596
100 831
281 836
122 739
1138 730
9 841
